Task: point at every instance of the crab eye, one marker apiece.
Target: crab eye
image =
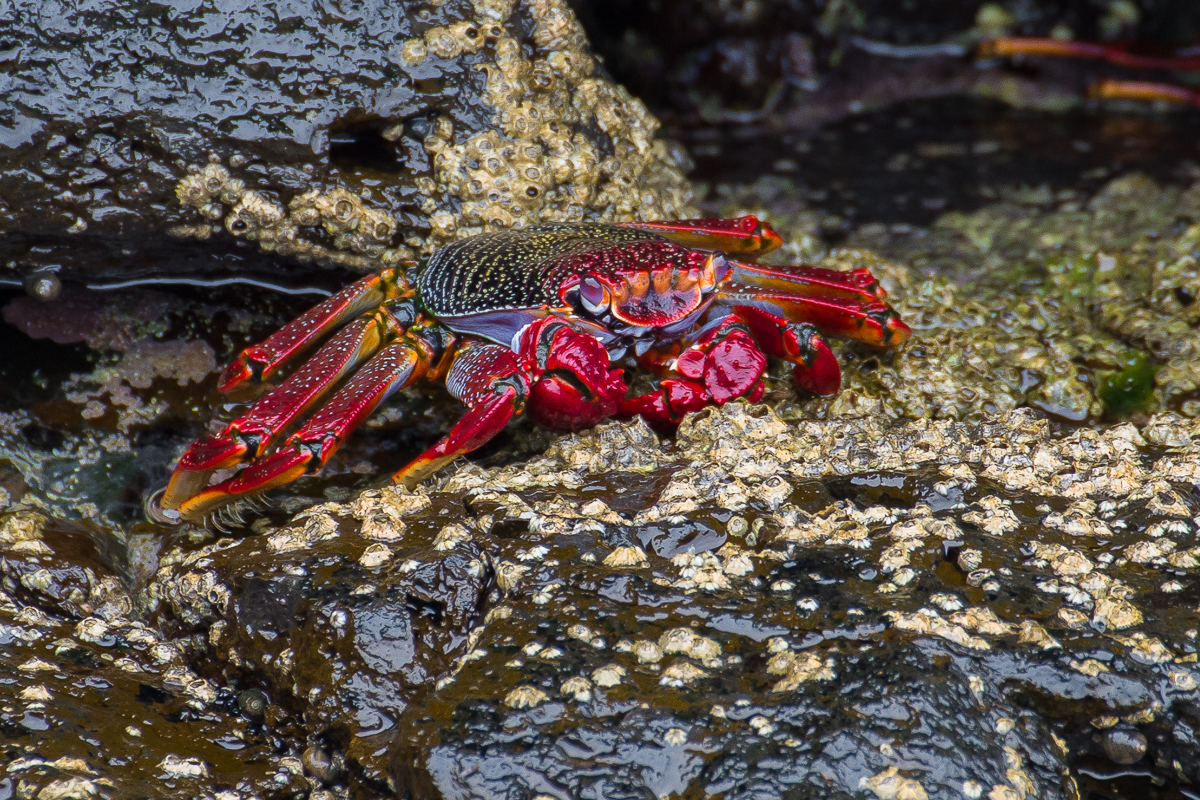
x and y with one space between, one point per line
593 295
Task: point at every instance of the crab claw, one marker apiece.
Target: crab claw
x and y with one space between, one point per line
724 364
816 368
577 389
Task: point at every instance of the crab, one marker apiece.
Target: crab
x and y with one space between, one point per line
538 321
1108 88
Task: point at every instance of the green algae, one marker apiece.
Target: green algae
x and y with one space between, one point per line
1131 389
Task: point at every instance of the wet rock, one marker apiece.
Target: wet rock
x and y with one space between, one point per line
985 676
357 138
93 701
342 631
1124 746
932 608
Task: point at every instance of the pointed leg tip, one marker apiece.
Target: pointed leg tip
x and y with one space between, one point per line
897 331
234 375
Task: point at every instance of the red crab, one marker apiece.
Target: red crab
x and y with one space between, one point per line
538 321
1108 88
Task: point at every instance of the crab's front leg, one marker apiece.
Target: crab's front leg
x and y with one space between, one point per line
399 364
559 375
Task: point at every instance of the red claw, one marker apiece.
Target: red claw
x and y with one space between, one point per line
577 389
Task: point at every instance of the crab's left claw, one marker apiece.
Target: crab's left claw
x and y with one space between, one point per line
560 376
723 364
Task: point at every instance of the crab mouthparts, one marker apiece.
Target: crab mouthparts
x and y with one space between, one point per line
651 297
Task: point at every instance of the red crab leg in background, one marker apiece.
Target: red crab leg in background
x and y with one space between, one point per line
396 366
1105 89
746 236
841 304
1142 90
1034 46
262 361
253 433
493 382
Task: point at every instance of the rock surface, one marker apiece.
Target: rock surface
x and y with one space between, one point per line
342 136
928 609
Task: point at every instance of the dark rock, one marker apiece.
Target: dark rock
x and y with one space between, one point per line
343 631
342 136
95 703
1123 746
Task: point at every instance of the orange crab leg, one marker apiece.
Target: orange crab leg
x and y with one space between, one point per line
842 304
1143 90
253 433
396 366
746 236
262 361
476 428
1033 46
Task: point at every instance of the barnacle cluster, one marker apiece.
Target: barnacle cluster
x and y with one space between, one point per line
1082 311
360 235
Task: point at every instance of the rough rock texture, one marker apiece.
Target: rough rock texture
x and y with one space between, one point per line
927 609
344 136
96 703
1085 311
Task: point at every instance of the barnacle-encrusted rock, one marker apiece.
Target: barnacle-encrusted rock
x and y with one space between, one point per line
1105 322
932 568
358 137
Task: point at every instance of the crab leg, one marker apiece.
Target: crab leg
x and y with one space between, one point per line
253 433
1033 46
1144 90
1105 89
263 360
843 304
493 382
396 366
746 236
